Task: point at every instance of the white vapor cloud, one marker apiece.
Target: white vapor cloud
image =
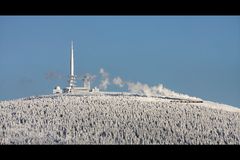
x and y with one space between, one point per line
145 89
118 81
105 79
158 90
140 88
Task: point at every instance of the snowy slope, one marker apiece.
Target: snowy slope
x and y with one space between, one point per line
116 119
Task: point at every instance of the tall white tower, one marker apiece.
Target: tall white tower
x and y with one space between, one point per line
72 80
72 77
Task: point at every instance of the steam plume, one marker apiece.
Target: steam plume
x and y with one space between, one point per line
159 90
138 87
105 79
118 81
145 89
89 77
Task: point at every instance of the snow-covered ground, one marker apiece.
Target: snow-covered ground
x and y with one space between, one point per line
116 119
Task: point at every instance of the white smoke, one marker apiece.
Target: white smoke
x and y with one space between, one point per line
140 88
145 89
118 81
158 90
105 79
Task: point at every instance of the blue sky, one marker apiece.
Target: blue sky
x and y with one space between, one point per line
196 55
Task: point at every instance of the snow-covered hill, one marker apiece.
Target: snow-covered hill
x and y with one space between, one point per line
116 119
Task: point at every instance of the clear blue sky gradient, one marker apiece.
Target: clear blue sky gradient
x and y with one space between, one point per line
195 55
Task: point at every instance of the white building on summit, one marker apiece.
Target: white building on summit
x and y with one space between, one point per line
72 80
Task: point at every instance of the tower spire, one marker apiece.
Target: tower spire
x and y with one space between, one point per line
72 77
72 61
